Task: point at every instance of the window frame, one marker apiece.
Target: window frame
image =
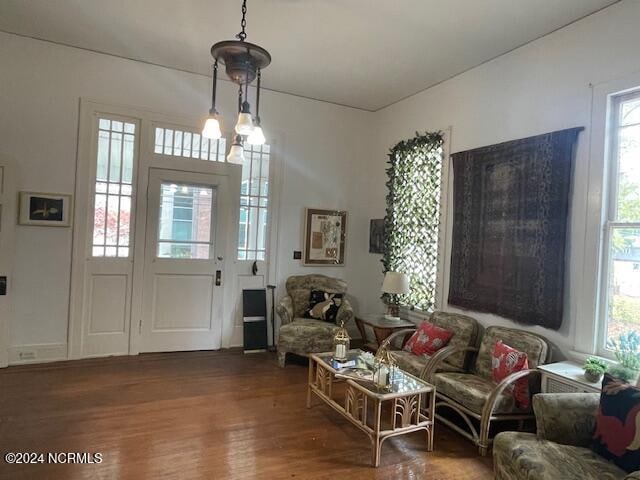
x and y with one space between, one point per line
610 223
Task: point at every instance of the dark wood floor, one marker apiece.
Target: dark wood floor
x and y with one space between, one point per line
213 415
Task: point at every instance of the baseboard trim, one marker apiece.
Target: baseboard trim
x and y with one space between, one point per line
37 353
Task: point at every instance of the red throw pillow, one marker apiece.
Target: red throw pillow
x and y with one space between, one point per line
428 339
505 361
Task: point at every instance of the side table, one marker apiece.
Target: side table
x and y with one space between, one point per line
380 326
565 377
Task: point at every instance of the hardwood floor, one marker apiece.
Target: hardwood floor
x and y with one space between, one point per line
213 415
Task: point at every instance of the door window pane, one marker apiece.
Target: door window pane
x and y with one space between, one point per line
185 221
115 162
254 195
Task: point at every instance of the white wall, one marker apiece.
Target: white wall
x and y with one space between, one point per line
40 87
541 87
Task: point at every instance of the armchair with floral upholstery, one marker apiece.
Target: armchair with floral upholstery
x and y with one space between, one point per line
560 448
474 395
300 335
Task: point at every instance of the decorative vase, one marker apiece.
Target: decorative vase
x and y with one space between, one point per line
593 377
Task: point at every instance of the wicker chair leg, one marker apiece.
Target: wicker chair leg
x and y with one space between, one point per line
483 440
282 358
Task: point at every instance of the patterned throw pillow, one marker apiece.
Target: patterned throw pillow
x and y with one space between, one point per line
506 360
428 339
323 305
617 433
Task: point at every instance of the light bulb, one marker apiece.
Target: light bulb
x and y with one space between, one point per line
211 128
257 136
245 124
236 152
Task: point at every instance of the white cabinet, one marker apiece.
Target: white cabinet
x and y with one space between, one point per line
565 377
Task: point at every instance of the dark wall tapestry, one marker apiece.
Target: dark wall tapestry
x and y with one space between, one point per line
511 203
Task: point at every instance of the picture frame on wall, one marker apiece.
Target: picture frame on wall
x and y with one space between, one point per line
324 237
376 235
45 209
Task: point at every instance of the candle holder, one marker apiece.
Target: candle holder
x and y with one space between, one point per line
341 343
384 367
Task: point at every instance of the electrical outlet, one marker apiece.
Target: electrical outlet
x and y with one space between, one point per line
297 254
27 355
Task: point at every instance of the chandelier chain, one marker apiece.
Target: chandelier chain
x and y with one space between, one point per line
243 23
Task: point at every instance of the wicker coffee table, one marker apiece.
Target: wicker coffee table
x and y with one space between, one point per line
411 401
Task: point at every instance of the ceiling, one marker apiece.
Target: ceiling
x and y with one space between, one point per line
361 53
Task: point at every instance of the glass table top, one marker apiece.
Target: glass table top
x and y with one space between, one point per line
400 382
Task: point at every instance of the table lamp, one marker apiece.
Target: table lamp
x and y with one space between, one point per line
394 283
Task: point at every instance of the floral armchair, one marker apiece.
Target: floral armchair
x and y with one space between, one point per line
474 395
565 424
303 336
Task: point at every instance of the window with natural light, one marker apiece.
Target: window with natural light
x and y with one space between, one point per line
181 143
185 221
113 188
622 231
254 198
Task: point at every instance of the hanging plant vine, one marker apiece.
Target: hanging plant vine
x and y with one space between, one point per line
412 219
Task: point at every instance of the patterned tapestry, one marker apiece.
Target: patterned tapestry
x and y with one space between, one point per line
511 203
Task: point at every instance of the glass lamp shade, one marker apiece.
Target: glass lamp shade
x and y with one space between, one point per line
211 128
256 137
236 154
245 124
341 343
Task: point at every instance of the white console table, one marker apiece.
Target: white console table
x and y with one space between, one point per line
565 377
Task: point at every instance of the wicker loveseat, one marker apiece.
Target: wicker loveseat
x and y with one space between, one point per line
466 335
474 395
303 336
559 450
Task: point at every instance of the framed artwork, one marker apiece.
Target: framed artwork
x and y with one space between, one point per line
376 235
45 209
324 238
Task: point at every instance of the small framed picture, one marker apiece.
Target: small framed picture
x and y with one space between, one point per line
45 209
325 237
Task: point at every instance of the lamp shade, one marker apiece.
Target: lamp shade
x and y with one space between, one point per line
396 283
211 128
256 137
245 124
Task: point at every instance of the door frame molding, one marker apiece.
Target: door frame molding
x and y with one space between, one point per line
8 216
148 119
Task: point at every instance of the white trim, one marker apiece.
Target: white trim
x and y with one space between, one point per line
446 223
589 310
37 353
8 215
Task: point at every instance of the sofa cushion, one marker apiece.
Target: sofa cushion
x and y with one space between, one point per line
466 329
533 345
471 391
505 361
414 364
428 339
323 305
617 436
524 456
306 335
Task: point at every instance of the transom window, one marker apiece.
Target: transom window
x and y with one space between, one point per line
185 221
622 229
254 198
113 188
181 143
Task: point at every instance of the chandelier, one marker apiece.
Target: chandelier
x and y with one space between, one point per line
243 63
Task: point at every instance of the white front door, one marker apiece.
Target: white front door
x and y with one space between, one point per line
188 221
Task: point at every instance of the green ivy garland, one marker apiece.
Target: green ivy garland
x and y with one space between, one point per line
412 219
